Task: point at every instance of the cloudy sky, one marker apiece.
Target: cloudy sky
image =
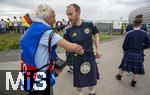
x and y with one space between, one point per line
90 9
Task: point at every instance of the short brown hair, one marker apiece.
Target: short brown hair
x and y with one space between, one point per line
139 16
77 7
138 22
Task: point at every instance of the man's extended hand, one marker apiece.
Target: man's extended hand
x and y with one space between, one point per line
79 49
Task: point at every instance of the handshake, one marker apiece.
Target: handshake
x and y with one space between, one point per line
79 49
60 64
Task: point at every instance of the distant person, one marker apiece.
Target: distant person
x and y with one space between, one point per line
10 25
22 26
130 26
69 56
134 44
3 26
16 25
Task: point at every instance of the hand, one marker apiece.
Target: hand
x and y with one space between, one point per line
79 49
98 55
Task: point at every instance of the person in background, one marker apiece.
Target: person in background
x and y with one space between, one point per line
131 26
3 26
10 25
16 25
69 56
134 44
22 26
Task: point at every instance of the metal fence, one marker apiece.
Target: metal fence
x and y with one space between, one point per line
104 27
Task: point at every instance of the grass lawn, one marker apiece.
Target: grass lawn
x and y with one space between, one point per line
11 41
104 37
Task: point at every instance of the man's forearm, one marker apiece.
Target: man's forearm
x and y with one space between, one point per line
96 41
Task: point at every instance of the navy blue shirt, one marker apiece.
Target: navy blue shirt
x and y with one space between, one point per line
136 41
82 35
130 27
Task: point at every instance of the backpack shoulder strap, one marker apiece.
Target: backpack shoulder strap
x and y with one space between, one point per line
49 43
49 51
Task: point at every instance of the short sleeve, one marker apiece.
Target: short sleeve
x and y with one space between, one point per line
66 34
94 29
45 37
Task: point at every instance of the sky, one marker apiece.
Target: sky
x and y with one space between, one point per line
90 9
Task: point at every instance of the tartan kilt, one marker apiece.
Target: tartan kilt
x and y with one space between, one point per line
85 80
133 62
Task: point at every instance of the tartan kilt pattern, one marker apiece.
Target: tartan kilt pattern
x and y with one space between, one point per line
133 62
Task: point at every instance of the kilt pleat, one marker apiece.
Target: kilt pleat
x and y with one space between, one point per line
133 62
86 80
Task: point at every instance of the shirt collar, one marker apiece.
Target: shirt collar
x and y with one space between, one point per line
136 28
42 21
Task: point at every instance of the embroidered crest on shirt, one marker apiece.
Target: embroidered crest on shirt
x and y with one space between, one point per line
87 30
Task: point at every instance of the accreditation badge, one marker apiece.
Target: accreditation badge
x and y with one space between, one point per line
85 68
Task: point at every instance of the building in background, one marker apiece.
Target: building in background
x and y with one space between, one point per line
145 10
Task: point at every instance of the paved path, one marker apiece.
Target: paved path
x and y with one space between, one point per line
107 85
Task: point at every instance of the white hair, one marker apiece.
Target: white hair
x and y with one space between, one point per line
41 11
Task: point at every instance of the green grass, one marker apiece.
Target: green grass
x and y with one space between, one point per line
104 37
9 41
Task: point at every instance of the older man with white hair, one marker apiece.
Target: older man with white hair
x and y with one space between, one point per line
35 44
